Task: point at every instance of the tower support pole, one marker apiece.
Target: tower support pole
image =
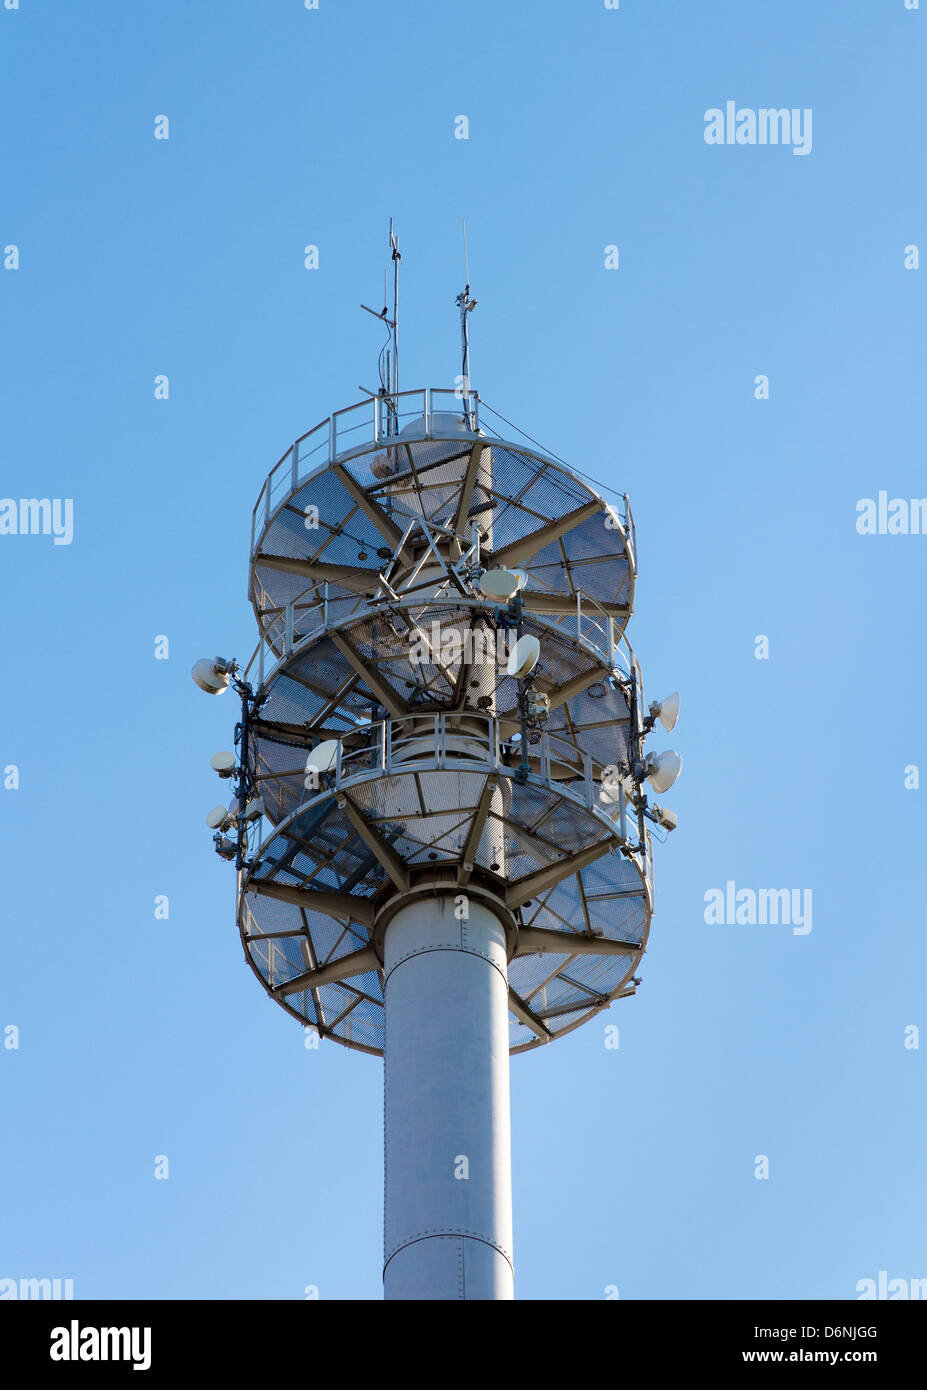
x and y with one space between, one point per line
448 1217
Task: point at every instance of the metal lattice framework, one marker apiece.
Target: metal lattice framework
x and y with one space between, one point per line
368 542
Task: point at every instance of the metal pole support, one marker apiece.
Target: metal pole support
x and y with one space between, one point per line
448 1223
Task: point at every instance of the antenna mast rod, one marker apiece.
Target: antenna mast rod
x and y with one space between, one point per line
466 305
397 260
389 371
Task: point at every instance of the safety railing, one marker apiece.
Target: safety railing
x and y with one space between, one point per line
314 611
474 741
375 421
355 429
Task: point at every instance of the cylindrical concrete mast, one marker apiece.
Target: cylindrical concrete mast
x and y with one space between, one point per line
448 1222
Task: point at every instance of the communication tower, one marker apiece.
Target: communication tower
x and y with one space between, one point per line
440 818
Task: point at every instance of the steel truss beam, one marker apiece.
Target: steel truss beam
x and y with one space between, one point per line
518 552
376 844
360 962
521 1011
540 939
381 689
340 905
523 889
319 571
371 509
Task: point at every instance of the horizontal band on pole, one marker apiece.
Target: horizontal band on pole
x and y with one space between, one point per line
451 1234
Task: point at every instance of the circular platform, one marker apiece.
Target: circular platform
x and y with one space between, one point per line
336 511
413 807
329 683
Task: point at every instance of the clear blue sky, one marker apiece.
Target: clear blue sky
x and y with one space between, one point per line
141 1037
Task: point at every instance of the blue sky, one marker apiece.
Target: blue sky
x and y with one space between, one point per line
633 1168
